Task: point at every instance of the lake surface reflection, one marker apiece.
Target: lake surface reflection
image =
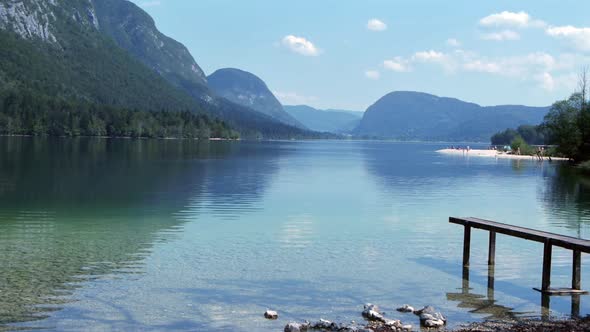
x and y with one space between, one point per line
150 235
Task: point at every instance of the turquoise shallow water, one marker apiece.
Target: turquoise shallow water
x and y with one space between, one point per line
100 234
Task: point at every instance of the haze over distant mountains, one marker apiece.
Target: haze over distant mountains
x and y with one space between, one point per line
246 89
333 121
411 115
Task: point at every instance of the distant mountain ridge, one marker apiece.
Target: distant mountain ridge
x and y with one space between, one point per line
332 121
422 116
247 89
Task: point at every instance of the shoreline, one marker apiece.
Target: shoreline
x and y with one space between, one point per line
494 154
127 137
537 324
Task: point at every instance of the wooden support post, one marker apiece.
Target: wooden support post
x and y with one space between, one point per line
465 283
466 245
492 249
546 284
545 307
576 269
491 272
575 305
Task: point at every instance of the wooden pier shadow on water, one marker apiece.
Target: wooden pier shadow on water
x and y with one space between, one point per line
480 303
487 303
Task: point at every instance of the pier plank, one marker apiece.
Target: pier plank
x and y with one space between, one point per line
558 240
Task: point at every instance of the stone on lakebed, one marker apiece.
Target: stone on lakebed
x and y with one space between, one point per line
271 314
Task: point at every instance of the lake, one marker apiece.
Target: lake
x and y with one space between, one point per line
116 234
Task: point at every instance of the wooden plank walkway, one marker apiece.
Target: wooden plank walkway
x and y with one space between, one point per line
548 239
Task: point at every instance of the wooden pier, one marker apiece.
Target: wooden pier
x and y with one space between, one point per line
578 246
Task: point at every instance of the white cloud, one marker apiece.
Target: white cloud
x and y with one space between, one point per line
453 42
511 19
505 18
522 66
501 35
300 45
544 60
546 81
372 74
376 25
447 61
548 71
397 64
293 98
150 3
429 56
482 66
578 37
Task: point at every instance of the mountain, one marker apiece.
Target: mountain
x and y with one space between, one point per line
422 116
332 121
134 30
246 89
109 52
55 48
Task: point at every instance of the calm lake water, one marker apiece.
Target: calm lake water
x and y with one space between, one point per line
125 235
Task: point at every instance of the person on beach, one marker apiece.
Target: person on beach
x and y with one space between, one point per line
540 153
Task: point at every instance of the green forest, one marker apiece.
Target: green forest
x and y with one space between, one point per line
534 135
26 112
88 72
566 127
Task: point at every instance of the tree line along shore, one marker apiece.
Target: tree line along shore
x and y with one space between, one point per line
25 112
566 129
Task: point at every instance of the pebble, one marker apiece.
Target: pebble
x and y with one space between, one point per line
271 314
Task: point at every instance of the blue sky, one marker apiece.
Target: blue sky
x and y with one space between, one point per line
348 54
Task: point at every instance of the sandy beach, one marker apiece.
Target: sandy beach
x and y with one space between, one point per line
492 154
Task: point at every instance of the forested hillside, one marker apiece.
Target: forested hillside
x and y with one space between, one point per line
59 49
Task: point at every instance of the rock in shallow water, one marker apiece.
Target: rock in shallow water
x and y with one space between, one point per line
406 308
296 327
271 314
377 323
429 317
407 327
372 312
324 324
433 323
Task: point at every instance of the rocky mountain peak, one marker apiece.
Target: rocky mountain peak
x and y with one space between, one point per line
29 19
32 19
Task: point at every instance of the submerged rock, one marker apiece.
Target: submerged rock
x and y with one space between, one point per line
433 323
271 314
406 308
325 324
296 327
